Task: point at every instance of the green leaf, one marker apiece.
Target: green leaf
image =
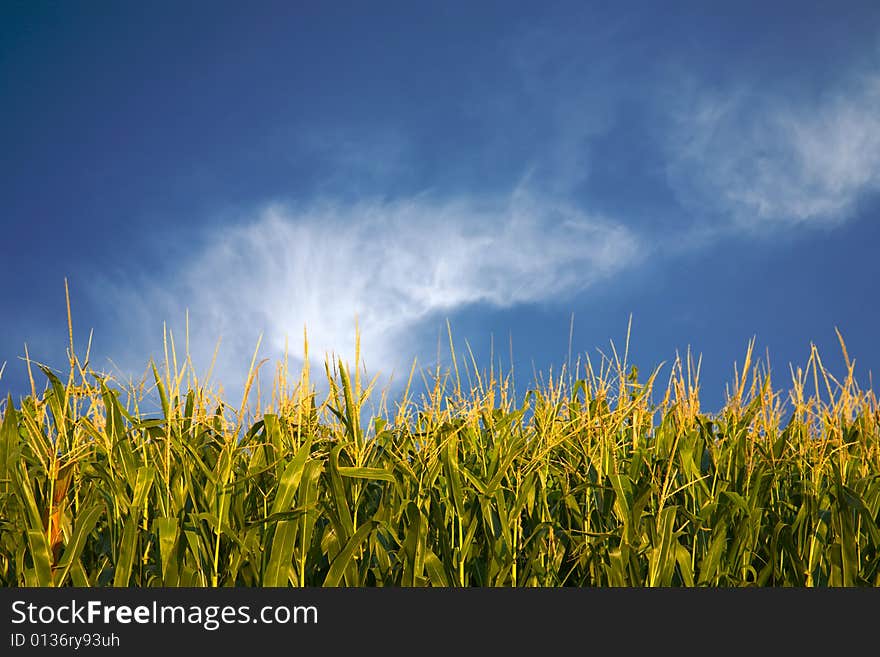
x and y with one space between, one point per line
85 523
8 440
346 554
436 572
290 479
169 531
127 550
376 474
281 555
40 555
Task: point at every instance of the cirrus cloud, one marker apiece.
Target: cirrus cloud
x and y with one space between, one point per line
766 159
388 266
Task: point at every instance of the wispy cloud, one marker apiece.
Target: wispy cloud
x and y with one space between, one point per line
390 266
768 159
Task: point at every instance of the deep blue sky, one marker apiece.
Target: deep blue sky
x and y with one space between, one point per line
712 169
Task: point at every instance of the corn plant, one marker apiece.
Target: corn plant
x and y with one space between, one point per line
594 477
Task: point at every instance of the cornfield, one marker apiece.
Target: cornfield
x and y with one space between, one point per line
594 477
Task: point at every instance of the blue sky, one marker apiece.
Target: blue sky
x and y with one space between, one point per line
712 169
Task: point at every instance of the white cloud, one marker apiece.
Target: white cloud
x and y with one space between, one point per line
392 265
772 159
